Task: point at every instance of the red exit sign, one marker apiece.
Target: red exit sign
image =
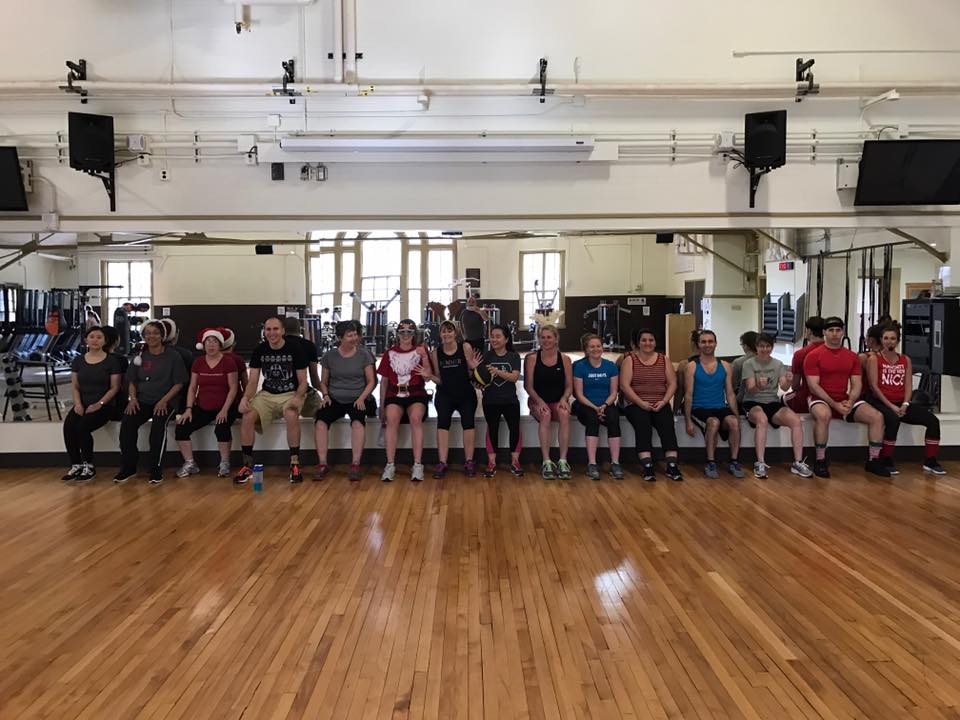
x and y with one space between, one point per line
786 265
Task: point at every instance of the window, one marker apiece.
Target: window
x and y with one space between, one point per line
541 282
380 262
331 277
135 284
422 266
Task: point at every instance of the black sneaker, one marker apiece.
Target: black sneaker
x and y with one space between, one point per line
821 468
156 476
88 473
931 465
888 464
877 467
673 471
73 473
243 476
516 469
646 470
295 475
123 475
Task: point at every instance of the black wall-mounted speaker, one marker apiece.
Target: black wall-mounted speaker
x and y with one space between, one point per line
263 249
664 238
765 139
91 142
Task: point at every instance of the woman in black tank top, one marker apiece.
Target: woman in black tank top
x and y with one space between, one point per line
548 380
455 362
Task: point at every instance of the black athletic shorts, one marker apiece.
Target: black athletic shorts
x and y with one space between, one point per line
769 409
701 415
335 410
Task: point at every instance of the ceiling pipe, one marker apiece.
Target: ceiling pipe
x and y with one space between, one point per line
337 42
349 40
481 88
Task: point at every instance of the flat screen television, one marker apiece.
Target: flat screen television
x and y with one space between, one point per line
13 197
909 172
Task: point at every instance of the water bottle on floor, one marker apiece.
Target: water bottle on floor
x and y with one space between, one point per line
258 478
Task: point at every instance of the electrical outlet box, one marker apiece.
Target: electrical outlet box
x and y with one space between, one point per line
251 158
165 175
725 142
50 221
143 160
273 121
136 143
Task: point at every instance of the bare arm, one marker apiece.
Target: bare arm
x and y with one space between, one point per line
324 387
301 384
578 393
873 381
626 377
529 364
856 387
567 379
688 391
75 388
314 375
908 382
731 395
612 397
671 381
253 380
192 391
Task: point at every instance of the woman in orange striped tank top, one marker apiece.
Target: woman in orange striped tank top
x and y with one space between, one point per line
648 383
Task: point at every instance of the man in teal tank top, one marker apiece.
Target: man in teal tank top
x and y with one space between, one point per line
711 404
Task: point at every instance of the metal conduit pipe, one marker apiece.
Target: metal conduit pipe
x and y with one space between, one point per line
849 90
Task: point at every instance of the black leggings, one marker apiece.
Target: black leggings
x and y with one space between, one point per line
129 430
644 422
492 414
464 403
78 433
591 421
201 418
915 415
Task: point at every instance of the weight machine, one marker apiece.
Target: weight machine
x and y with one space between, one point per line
606 324
379 331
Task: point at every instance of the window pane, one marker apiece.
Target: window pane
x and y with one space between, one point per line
118 274
380 257
532 270
440 268
440 241
140 281
322 276
348 263
415 305
413 270
321 302
322 244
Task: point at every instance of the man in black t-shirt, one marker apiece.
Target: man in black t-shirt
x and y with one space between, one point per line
311 401
283 365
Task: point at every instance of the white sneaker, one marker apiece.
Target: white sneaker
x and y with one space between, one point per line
190 467
73 473
800 468
224 469
389 471
760 470
416 474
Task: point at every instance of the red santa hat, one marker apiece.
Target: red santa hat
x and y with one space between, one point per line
210 333
229 338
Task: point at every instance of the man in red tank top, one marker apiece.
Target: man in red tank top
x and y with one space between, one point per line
890 376
834 379
796 400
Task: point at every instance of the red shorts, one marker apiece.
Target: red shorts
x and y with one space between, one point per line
554 409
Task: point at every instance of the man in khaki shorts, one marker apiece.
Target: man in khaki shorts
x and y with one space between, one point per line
283 366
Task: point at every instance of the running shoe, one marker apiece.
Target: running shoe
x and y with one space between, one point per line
931 465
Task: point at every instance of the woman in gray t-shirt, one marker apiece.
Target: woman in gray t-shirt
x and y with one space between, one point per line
95 380
347 381
763 377
156 377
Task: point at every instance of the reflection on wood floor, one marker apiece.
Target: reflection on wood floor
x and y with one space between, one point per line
470 598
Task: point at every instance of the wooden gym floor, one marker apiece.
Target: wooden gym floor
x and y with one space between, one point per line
500 598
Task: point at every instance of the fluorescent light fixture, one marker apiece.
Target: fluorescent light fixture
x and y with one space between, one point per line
572 145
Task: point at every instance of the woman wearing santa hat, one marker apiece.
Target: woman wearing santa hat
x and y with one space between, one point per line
229 341
210 398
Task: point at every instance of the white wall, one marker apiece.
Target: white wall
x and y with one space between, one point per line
32 272
616 40
595 265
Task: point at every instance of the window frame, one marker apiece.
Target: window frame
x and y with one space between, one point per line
106 315
561 294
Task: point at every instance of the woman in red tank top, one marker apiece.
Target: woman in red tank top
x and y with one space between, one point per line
890 378
648 383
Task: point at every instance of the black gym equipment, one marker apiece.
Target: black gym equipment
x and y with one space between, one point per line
379 330
606 323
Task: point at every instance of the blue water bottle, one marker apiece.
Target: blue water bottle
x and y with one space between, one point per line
258 478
